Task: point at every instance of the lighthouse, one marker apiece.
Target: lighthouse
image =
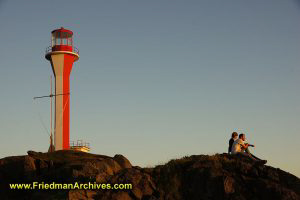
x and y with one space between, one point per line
62 54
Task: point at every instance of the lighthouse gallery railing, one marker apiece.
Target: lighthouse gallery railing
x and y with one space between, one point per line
74 50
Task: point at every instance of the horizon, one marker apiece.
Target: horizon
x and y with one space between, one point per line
157 80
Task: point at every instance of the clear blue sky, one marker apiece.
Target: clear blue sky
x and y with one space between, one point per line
157 79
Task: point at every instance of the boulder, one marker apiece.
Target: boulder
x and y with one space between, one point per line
122 161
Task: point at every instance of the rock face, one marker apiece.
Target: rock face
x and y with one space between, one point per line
220 176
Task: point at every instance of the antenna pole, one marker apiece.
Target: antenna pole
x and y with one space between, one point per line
51 110
51 145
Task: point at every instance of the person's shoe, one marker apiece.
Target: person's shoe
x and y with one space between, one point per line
263 161
260 162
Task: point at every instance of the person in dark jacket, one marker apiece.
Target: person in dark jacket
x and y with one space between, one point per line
234 136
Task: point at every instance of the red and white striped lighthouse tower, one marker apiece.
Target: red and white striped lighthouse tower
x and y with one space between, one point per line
62 54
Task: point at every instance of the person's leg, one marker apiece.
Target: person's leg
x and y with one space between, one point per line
255 157
260 160
248 152
247 155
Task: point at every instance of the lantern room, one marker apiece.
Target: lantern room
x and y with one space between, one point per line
61 40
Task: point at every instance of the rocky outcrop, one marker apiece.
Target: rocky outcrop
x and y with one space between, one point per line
220 176
223 177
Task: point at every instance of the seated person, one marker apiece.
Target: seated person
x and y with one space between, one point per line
234 136
239 146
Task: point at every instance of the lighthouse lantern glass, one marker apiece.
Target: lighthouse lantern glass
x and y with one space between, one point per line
61 38
70 41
